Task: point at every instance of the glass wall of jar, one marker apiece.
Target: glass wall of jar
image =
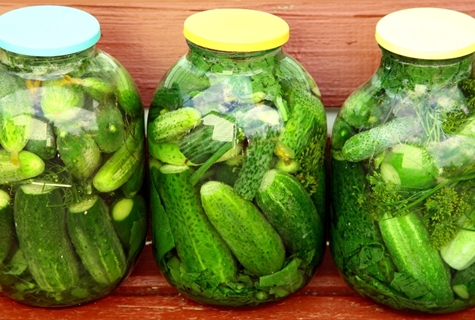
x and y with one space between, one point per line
236 138
403 167
72 220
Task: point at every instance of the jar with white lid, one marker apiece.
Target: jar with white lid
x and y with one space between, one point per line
72 219
403 167
236 137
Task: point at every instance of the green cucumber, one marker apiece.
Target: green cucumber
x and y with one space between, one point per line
107 128
459 253
79 152
202 142
6 225
126 91
173 124
371 142
409 166
198 245
29 166
408 243
61 101
42 140
92 233
123 163
97 88
167 152
258 157
251 238
40 221
16 116
162 236
307 115
289 208
134 184
129 221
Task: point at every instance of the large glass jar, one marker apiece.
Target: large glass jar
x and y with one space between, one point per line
236 138
403 167
72 220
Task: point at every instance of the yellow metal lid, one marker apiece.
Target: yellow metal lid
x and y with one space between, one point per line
236 30
427 33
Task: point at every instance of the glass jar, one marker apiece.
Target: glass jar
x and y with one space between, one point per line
402 167
236 137
72 220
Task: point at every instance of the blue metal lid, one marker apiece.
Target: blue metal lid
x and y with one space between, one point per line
48 30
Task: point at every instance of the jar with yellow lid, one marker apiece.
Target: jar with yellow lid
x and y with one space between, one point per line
72 160
236 137
403 167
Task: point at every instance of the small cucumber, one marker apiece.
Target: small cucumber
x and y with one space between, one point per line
407 241
167 152
289 208
459 253
42 140
40 221
97 88
307 116
107 128
371 142
133 186
92 233
6 225
123 163
258 157
198 245
126 91
61 101
409 166
202 142
162 236
79 152
16 117
130 224
29 166
173 124
252 239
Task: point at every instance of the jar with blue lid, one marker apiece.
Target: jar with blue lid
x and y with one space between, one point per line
72 217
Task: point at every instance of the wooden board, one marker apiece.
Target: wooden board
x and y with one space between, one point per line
333 39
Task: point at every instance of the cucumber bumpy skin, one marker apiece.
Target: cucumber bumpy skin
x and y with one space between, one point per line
251 238
29 166
92 233
40 221
6 225
409 246
371 142
173 124
289 208
120 167
199 246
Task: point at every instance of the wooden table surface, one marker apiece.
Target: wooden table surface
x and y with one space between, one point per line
146 295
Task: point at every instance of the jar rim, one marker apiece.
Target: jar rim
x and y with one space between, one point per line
427 33
48 30
236 30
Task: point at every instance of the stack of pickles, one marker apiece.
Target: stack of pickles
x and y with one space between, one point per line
72 219
236 136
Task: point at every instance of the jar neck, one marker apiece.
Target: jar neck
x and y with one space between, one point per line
397 71
219 61
41 68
